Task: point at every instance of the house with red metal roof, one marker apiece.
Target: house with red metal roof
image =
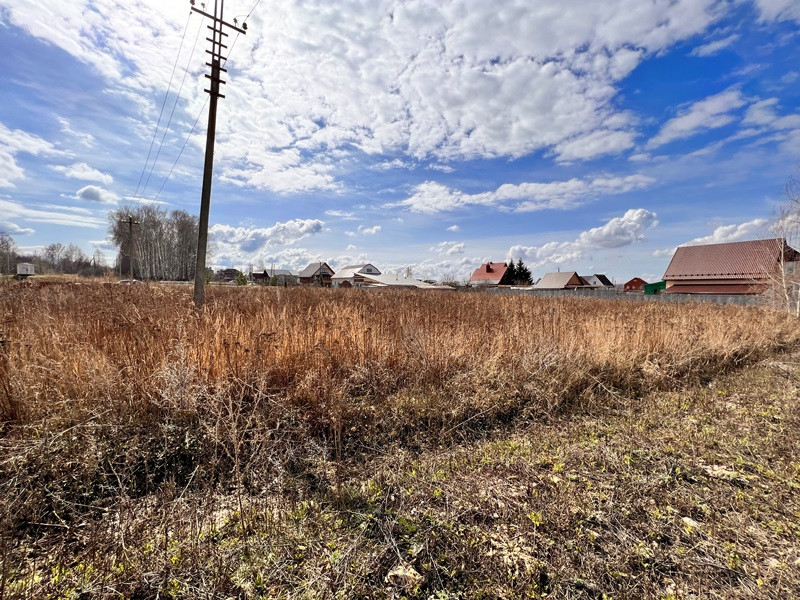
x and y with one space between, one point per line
634 285
732 268
490 274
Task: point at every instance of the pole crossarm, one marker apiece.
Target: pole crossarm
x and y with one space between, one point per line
219 20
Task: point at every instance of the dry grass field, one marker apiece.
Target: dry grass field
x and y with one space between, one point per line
305 443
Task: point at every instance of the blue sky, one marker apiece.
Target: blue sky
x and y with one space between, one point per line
581 135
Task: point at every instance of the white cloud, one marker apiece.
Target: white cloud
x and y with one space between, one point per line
15 141
396 163
619 231
454 228
431 197
254 239
762 114
779 10
594 144
85 139
710 113
441 167
351 247
11 209
733 233
341 214
754 229
444 80
93 193
712 48
85 172
369 230
14 229
449 248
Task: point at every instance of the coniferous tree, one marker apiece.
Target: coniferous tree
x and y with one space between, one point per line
522 273
509 276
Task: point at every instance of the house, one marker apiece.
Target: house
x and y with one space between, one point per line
318 273
275 276
634 285
387 280
597 281
732 268
227 275
568 280
353 275
489 274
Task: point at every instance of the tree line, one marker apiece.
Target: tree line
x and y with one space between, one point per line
160 245
54 258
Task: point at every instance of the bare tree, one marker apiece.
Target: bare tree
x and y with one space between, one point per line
8 253
786 225
162 246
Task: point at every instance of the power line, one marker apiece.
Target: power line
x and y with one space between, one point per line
163 103
199 114
185 142
172 113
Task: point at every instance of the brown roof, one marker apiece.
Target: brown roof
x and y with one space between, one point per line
737 289
559 281
491 272
755 259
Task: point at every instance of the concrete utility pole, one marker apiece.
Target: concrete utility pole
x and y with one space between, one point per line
130 223
205 200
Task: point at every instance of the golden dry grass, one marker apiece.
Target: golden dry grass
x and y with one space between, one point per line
135 429
72 348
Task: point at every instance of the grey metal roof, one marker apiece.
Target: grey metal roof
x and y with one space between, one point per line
312 269
556 281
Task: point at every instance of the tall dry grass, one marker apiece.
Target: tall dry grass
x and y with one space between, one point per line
72 349
119 404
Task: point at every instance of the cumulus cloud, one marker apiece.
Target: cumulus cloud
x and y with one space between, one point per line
254 239
754 229
447 80
93 193
619 231
85 172
431 197
369 230
714 47
449 248
733 233
710 113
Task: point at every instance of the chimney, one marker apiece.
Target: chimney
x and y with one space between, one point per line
488 267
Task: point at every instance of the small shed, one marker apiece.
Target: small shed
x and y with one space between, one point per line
654 288
636 285
24 270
